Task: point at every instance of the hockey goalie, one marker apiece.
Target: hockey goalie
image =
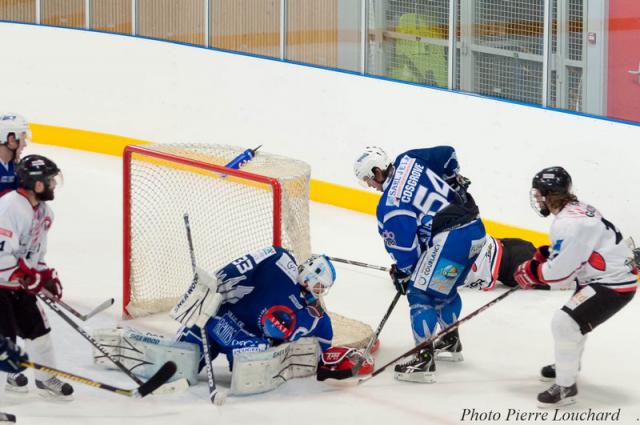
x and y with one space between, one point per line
262 311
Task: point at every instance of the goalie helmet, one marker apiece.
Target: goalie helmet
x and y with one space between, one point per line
372 157
317 274
551 180
13 124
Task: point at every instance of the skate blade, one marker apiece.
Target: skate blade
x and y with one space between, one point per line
16 390
564 402
51 396
448 356
417 377
545 379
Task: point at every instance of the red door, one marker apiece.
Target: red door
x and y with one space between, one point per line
623 99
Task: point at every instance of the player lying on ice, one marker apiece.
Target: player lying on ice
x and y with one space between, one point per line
262 311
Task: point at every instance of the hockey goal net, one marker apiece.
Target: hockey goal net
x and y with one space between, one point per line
231 212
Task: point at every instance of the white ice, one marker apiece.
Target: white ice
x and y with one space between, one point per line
504 347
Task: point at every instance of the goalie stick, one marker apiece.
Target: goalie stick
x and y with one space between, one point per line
156 381
216 397
172 387
84 317
442 333
356 367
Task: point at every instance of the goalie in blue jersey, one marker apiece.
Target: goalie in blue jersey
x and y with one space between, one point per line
431 229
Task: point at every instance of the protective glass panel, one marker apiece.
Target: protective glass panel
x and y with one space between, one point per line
63 13
111 15
176 20
18 10
249 26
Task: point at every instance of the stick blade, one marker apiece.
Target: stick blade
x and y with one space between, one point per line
158 379
99 309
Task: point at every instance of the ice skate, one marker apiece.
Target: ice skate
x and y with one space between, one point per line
449 348
420 369
17 383
53 388
557 396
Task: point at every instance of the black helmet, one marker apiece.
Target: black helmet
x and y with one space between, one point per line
33 168
552 180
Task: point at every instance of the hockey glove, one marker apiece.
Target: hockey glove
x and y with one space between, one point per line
527 276
11 355
30 279
542 254
51 282
400 279
338 363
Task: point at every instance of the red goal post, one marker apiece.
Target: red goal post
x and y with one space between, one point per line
232 212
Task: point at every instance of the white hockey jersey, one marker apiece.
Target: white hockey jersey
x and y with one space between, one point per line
23 234
587 247
484 272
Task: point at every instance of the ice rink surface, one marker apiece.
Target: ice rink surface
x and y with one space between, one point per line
504 347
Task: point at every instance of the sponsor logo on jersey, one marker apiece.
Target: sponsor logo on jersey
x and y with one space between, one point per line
278 322
450 271
288 267
476 247
225 331
262 254
6 232
445 276
580 297
389 238
399 179
423 277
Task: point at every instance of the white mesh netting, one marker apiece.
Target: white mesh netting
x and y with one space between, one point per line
229 217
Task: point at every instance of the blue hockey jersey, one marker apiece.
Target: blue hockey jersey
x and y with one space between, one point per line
255 285
413 195
8 180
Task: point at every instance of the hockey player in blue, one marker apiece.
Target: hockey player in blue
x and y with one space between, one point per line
431 229
266 299
13 135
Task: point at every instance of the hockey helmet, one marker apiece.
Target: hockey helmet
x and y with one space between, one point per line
34 168
371 157
551 180
317 274
13 124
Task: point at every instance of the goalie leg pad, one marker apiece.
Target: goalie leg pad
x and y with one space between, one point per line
257 372
144 353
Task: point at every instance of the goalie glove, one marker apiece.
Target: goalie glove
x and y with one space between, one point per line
338 363
199 303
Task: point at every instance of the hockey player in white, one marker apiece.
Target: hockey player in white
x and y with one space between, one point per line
589 249
25 220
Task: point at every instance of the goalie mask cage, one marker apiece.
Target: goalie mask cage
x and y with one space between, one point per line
232 212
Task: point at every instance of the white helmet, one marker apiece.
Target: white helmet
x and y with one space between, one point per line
372 156
13 124
317 274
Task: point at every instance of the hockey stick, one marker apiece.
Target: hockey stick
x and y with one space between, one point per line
172 387
84 317
358 263
215 396
442 333
156 381
356 367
